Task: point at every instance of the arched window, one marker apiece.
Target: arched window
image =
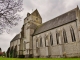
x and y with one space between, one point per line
57 37
64 36
40 42
72 34
46 40
37 43
51 39
24 45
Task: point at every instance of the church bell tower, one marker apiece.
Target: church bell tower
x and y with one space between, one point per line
31 22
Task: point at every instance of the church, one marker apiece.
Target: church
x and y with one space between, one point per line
56 38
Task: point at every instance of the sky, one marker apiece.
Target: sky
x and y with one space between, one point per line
48 9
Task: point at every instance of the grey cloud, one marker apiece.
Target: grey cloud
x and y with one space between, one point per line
28 4
5 40
5 46
59 7
17 28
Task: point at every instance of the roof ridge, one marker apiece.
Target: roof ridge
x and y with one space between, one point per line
60 15
57 21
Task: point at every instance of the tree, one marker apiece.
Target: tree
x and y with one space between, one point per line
4 54
1 52
0 49
9 16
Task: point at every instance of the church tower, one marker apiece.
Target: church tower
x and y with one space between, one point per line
34 18
31 22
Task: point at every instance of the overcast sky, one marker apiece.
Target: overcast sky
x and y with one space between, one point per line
48 9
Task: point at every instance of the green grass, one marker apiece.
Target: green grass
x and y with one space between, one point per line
1 58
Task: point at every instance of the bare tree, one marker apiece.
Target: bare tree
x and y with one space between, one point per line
9 16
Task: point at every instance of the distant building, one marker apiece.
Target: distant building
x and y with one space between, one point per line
58 37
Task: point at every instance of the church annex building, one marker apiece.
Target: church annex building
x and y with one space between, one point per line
58 37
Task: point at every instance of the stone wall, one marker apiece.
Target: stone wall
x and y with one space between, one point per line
71 49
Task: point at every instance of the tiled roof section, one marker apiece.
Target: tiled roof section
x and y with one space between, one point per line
58 21
15 38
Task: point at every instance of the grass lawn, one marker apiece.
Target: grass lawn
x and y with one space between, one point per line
39 58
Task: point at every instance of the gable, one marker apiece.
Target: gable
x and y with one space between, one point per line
36 13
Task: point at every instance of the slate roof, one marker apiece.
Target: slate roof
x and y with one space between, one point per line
15 38
56 22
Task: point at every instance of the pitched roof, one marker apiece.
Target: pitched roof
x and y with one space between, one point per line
15 38
56 22
36 13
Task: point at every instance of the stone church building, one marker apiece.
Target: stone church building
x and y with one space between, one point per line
58 37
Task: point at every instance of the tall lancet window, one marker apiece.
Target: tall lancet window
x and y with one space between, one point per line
72 34
51 39
64 36
40 42
37 43
57 37
46 41
24 45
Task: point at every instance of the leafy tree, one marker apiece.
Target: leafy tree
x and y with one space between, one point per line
0 49
9 16
4 54
1 52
